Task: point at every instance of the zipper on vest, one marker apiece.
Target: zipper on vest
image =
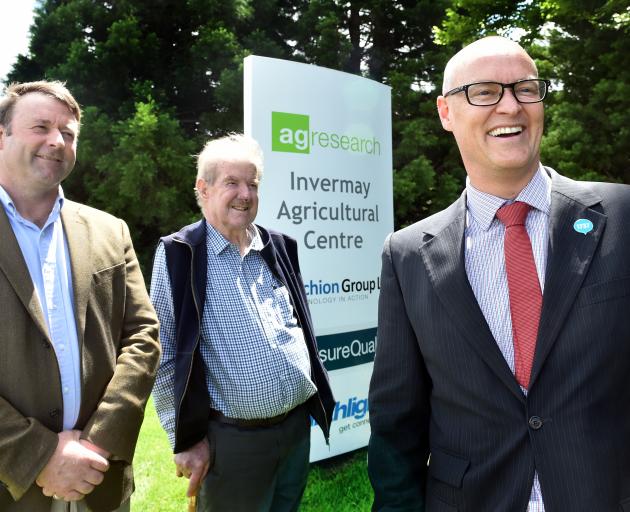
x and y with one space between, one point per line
326 434
194 294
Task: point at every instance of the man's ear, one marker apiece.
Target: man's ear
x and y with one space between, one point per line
2 134
201 186
444 113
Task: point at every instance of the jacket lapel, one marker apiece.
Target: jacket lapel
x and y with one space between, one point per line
79 246
569 257
443 255
14 267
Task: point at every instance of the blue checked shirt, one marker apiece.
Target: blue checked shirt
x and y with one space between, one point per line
257 362
485 265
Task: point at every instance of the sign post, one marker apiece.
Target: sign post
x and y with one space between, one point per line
326 137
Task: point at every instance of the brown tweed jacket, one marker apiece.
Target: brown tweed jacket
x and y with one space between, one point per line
118 340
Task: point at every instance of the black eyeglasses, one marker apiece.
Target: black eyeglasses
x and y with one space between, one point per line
485 94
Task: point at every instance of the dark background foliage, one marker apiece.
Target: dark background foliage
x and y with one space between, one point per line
157 78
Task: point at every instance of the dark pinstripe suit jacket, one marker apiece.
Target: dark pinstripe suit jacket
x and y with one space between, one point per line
441 391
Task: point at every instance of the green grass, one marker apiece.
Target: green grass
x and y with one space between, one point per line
157 487
338 484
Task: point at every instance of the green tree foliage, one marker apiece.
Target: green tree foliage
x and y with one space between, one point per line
589 121
147 175
157 78
583 46
173 71
392 42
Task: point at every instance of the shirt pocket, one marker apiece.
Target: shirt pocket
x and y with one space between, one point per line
283 307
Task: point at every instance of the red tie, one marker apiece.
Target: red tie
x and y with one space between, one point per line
524 288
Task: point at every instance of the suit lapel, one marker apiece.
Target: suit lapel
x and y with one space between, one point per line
79 246
443 255
14 267
569 257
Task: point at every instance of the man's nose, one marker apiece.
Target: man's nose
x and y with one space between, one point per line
55 138
244 191
508 102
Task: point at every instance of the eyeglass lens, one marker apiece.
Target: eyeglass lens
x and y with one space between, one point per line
488 93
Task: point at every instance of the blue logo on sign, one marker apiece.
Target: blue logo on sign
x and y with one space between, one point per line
583 226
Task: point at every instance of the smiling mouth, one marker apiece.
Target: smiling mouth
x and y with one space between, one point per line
241 208
506 131
49 157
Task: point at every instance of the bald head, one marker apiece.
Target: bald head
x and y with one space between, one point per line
499 142
457 69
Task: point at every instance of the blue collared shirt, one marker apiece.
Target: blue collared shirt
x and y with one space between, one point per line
485 264
257 362
47 257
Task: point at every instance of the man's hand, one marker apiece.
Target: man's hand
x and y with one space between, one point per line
91 446
194 464
73 470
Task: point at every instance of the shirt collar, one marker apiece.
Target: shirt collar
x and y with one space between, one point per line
483 207
11 210
217 243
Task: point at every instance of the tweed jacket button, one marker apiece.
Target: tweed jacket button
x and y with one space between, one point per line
535 422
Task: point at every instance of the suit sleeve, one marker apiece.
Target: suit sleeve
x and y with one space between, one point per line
26 446
399 402
115 423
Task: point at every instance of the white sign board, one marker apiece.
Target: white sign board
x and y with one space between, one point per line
326 137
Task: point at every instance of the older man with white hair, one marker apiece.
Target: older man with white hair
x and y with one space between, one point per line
240 375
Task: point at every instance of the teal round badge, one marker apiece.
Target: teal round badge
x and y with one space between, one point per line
583 226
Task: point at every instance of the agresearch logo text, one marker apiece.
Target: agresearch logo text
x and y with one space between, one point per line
291 133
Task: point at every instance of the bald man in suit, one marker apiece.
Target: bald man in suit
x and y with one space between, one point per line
467 412
78 343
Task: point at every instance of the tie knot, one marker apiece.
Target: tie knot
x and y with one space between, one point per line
513 214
